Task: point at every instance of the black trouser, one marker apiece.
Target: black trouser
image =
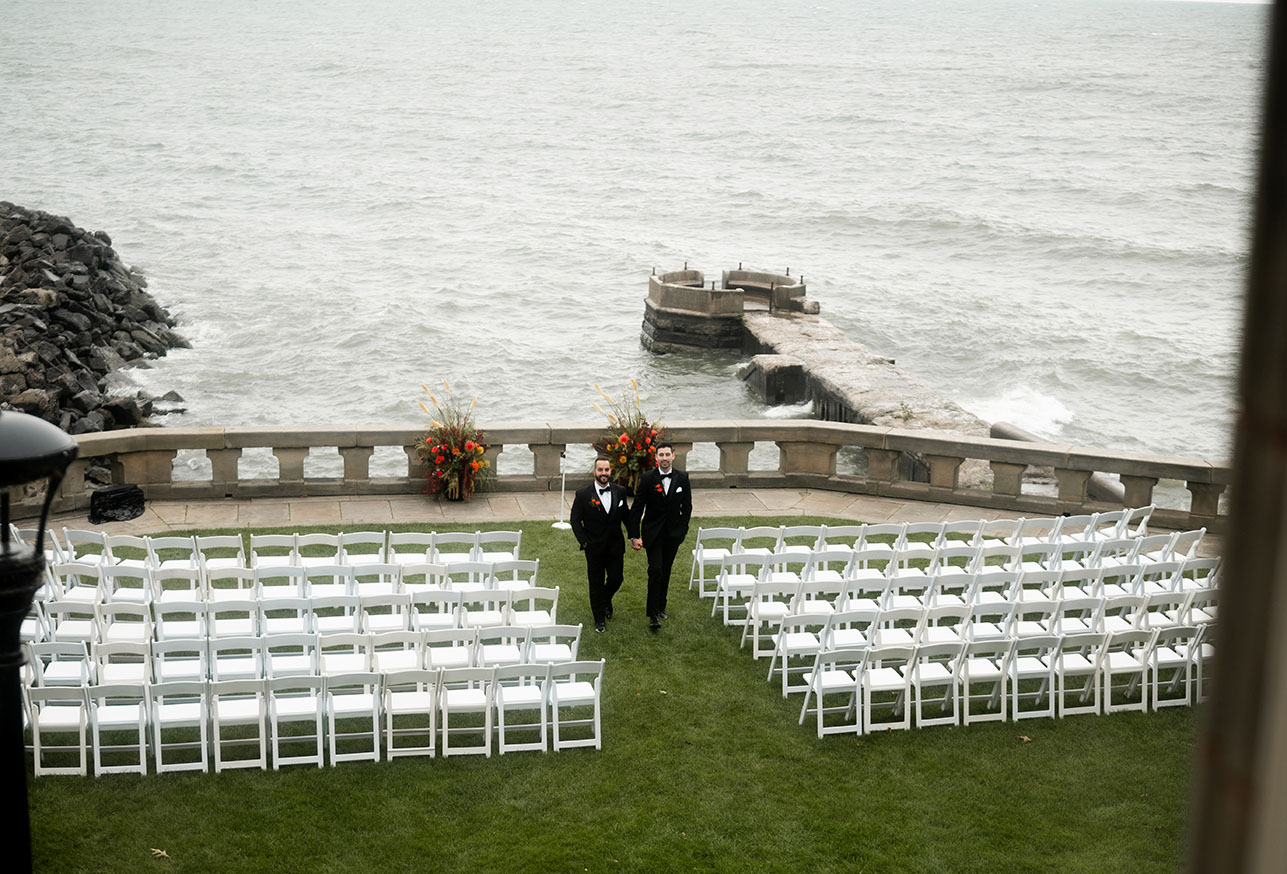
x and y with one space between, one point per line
604 568
661 555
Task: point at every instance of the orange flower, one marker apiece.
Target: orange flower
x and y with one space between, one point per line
654 432
473 466
622 460
623 439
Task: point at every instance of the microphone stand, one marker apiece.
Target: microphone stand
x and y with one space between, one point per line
563 484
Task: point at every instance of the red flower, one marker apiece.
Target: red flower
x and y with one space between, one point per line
638 446
438 460
648 441
469 445
654 432
659 488
623 439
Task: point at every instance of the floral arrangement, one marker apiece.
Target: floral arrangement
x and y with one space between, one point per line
454 449
631 441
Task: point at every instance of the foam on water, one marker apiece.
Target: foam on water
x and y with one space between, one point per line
1005 196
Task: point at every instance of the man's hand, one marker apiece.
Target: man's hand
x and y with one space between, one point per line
636 542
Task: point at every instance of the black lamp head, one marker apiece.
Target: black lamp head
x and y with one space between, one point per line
31 449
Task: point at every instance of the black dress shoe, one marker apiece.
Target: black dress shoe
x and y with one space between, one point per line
662 615
654 624
600 627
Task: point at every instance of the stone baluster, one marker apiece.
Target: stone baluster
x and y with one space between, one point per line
807 457
223 466
1139 489
1205 503
735 457
357 462
546 457
681 454
1007 478
73 484
290 463
1072 485
944 470
150 467
417 469
882 465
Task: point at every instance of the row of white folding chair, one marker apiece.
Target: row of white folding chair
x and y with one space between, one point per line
1059 675
555 692
252 656
292 549
921 560
714 544
766 592
126 621
803 634
84 582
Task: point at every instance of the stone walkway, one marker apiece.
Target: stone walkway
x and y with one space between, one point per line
487 509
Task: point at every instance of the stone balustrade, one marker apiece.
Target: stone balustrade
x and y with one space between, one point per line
807 454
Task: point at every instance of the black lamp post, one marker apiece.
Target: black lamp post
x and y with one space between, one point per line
31 449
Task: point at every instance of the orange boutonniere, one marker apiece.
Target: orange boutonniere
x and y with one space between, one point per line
595 502
660 489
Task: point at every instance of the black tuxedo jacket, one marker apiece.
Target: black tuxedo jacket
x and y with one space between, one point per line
662 514
594 529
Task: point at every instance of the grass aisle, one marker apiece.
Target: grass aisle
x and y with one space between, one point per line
703 768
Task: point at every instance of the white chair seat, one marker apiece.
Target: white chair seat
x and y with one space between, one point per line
388 661
884 680
543 653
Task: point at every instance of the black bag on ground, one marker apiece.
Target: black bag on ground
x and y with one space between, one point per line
115 504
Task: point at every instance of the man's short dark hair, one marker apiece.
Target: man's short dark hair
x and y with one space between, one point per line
666 444
599 458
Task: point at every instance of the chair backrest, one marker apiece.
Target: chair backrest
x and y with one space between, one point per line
840 536
125 548
192 583
1185 544
357 547
273 549
1079 614
1135 522
929 533
406 545
87 546
798 537
172 549
128 583
578 671
79 575
343 647
884 535
221 581
996 531
1039 529
279 581
469 574
188 658
1080 527
318 547
248 652
222 548
721 538
993 555
74 653
454 546
179 618
499 544
510 571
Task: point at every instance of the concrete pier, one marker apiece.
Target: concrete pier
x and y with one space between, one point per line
800 356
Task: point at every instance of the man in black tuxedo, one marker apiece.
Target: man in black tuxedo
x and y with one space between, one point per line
664 503
598 514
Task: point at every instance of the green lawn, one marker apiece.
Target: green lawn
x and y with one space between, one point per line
703 768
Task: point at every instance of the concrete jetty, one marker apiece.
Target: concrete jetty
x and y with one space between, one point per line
798 356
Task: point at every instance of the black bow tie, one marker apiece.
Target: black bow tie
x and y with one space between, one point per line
665 476
605 490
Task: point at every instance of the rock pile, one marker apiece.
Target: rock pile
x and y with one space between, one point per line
70 314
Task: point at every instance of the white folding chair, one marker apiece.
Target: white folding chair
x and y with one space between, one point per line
835 672
353 716
377 579
364 547
397 651
465 691
550 644
502 645
410 547
498 545
516 574
79 581
1174 654
886 681
317 549
177 710
60 662
237 658
217 552
937 665
273 550
173 553
177 584
410 705
385 612
239 618
58 712
575 686
181 660
125 551
451 647
129 583
116 711
538 605
798 637
1127 654
420 576
295 701
451 547
1033 665
229 584
343 653
329 580
291 655
120 621
1080 656
275 582
237 707
770 601
335 614
985 667
712 547
522 689
125 663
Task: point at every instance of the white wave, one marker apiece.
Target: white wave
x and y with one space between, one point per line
1028 408
790 411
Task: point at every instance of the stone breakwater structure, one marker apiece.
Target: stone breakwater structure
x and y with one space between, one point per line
70 314
798 356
